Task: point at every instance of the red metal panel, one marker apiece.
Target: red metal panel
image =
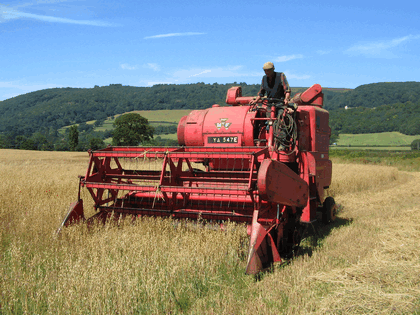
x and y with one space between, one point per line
232 94
181 130
304 135
278 183
313 129
320 167
225 122
320 135
311 94
193 132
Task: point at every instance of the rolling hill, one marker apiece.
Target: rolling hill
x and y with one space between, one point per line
371 108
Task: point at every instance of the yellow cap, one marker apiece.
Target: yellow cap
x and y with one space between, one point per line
268 65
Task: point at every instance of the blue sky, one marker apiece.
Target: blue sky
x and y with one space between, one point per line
54 43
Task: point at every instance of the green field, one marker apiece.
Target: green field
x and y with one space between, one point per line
171 136
155 117
164 115
404 160
391 139
376 148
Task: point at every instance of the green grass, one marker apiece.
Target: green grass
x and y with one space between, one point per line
170 136
155 118
385 148
164 115
403 160
390 139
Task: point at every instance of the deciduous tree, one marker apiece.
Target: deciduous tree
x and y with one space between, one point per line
73 137
415 145
131 130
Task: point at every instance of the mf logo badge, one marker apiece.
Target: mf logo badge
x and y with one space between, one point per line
223 123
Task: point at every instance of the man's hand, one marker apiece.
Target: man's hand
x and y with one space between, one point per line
290 110
255 101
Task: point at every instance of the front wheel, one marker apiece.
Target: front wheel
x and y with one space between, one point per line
329 210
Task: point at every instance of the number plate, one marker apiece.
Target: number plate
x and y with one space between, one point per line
232 139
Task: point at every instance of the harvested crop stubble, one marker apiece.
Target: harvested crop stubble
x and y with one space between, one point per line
366 262
354 178
369 264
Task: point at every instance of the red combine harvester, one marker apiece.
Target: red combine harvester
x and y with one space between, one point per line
255 166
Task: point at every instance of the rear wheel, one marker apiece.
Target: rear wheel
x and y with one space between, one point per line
329 210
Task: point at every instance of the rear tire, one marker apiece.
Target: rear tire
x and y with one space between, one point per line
329 210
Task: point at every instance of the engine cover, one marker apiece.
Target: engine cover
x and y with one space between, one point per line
218 126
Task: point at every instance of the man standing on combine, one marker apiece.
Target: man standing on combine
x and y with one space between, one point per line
275 85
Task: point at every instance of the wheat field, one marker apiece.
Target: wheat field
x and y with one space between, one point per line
367 262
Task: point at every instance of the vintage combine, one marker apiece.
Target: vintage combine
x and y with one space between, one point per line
256 164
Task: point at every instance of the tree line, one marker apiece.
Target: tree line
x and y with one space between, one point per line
32 120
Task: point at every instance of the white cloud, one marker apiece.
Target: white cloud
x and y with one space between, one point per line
229 71
174 34
153 66
126 66
216 74
7 14
379 48
202 72
323 52
287 58
290 75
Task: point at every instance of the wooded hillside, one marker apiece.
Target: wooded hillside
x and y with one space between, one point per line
377 107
